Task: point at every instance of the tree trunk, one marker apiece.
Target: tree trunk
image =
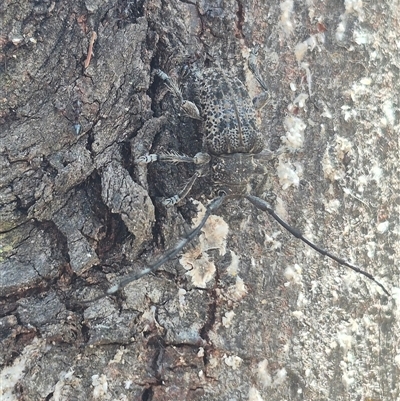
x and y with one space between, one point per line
269 318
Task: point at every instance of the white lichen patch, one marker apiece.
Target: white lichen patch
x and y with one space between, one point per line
366 81
397 360
298 314
286 20
352 280
287 175
359 90
396 297
254 395
214 232
310 43
241 289
331 172
344 340
196 260
362 183
233 268
382 227
200 269
227 318
354 7
118 356
340 30
371 248
213 362
280 208
348 379
293 274
232 361
302 301
149 318
294 127
181 297
376 173
362 37
66 379
10 375
300 50
263 376
100 386
327 114
389 112
279 377
237 291
271 240
332 205
300 100
348 112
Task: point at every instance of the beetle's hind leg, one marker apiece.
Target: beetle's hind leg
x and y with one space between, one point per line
261 100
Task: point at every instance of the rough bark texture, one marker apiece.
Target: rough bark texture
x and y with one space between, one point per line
274 321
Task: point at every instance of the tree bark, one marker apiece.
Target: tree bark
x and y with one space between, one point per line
268 319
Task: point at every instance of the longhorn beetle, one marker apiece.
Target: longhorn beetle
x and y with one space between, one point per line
231 147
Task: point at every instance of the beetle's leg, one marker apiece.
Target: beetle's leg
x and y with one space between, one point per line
252 63
170 254
199 159
173 157
188 107
261 100
173 200
264 206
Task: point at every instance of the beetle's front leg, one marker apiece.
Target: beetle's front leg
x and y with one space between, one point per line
188 107
200 160
173 157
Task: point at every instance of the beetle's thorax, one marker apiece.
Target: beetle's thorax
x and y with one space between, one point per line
230 173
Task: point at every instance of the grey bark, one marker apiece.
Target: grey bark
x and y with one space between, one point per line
274 321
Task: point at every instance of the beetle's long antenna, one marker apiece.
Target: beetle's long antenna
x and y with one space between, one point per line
170 254
264 206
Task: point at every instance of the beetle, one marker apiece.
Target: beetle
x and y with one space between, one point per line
232 145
